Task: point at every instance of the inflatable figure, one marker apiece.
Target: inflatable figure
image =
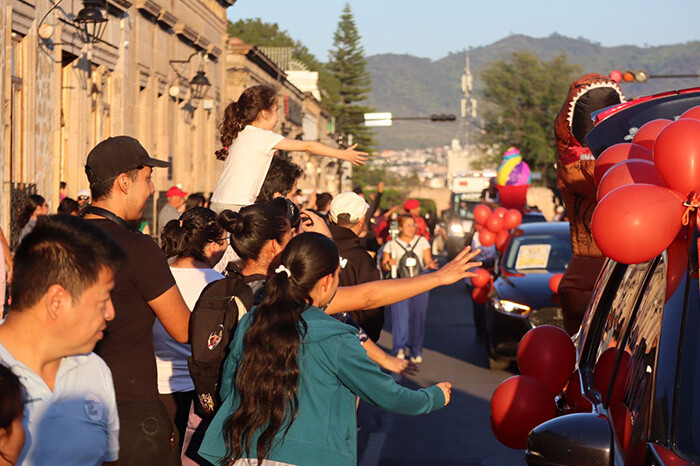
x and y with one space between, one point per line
575 166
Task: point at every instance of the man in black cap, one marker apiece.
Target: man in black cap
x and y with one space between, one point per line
119 171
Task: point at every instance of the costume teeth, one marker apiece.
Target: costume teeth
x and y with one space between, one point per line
588 87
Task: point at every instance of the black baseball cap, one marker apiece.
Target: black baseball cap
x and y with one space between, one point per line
117 155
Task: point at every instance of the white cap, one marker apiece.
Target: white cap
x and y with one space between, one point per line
348 203
83 192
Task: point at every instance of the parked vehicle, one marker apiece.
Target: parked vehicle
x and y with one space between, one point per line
465 193
647 410
521 298
660 336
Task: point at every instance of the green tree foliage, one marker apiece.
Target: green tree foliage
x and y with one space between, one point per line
262 34
523 96
348 64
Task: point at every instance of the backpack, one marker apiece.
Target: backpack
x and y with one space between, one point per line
212 324
409 264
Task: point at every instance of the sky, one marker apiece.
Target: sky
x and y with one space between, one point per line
433 29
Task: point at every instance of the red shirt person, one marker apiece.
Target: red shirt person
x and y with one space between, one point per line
412 207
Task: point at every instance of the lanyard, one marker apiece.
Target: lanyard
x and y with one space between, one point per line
99 211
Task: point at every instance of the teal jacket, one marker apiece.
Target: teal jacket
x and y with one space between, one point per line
334 367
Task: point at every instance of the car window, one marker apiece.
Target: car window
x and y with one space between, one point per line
621 308
539 252
641 345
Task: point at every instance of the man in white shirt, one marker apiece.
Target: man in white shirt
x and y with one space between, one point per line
63 275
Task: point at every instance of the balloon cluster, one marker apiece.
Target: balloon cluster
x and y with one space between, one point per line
513 171
493 226
546 359
493 229
648 189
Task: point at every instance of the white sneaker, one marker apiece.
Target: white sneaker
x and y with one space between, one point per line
417 359
401 354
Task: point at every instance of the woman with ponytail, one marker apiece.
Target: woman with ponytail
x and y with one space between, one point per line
194 244
291 378
248 143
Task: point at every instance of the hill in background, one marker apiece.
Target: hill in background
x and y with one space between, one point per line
410 86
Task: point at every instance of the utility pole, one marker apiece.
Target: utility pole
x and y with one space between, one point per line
468 104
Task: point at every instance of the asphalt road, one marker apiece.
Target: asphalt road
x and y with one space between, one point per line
459 434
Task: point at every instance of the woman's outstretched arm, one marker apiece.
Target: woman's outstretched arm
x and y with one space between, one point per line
379 293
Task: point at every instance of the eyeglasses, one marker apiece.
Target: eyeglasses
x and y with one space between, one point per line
224 240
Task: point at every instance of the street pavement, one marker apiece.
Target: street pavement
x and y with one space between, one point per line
458 434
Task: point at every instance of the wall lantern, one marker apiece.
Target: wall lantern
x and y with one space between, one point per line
199 84
90 22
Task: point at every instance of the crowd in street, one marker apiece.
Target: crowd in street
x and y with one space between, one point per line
242 331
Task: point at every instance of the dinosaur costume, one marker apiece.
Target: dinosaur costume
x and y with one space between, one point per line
575 181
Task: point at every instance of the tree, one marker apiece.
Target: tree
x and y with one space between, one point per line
347 63
523 97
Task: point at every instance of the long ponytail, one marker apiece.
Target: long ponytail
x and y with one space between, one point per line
268 375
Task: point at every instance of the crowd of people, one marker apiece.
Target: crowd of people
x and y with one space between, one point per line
106 336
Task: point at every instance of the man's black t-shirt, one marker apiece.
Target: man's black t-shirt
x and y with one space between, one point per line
127 346
358 267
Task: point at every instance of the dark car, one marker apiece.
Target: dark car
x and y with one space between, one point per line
521 298
648 316
654 325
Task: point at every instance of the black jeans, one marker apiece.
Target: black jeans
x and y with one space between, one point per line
147 436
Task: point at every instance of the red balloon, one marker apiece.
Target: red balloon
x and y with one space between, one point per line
646 135
481 279
635 223
618 153
480 295
628 172
677 155
554 281
487 237
518 405
677 262
622 422
494 223
500 211
547 353
603 371
574 397
481 213
512 219
692 113
502 240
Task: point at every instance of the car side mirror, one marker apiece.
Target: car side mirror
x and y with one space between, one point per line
581 438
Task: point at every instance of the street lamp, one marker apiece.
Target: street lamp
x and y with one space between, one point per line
90 22
199 84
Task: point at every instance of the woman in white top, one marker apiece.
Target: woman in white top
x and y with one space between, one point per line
196 242
408 316
249 143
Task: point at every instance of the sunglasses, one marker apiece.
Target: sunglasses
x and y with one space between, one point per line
83 198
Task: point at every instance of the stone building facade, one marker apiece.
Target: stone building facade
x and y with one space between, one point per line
59 96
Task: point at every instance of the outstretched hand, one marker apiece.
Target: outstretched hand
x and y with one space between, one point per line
355 156
399 366
446 388
459 267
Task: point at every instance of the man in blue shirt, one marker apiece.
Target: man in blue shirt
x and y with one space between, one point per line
63 275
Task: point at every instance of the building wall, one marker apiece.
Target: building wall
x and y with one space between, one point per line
65 96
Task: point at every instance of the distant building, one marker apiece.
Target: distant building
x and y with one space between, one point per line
61 96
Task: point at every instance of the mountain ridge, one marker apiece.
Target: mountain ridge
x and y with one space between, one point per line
410 86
